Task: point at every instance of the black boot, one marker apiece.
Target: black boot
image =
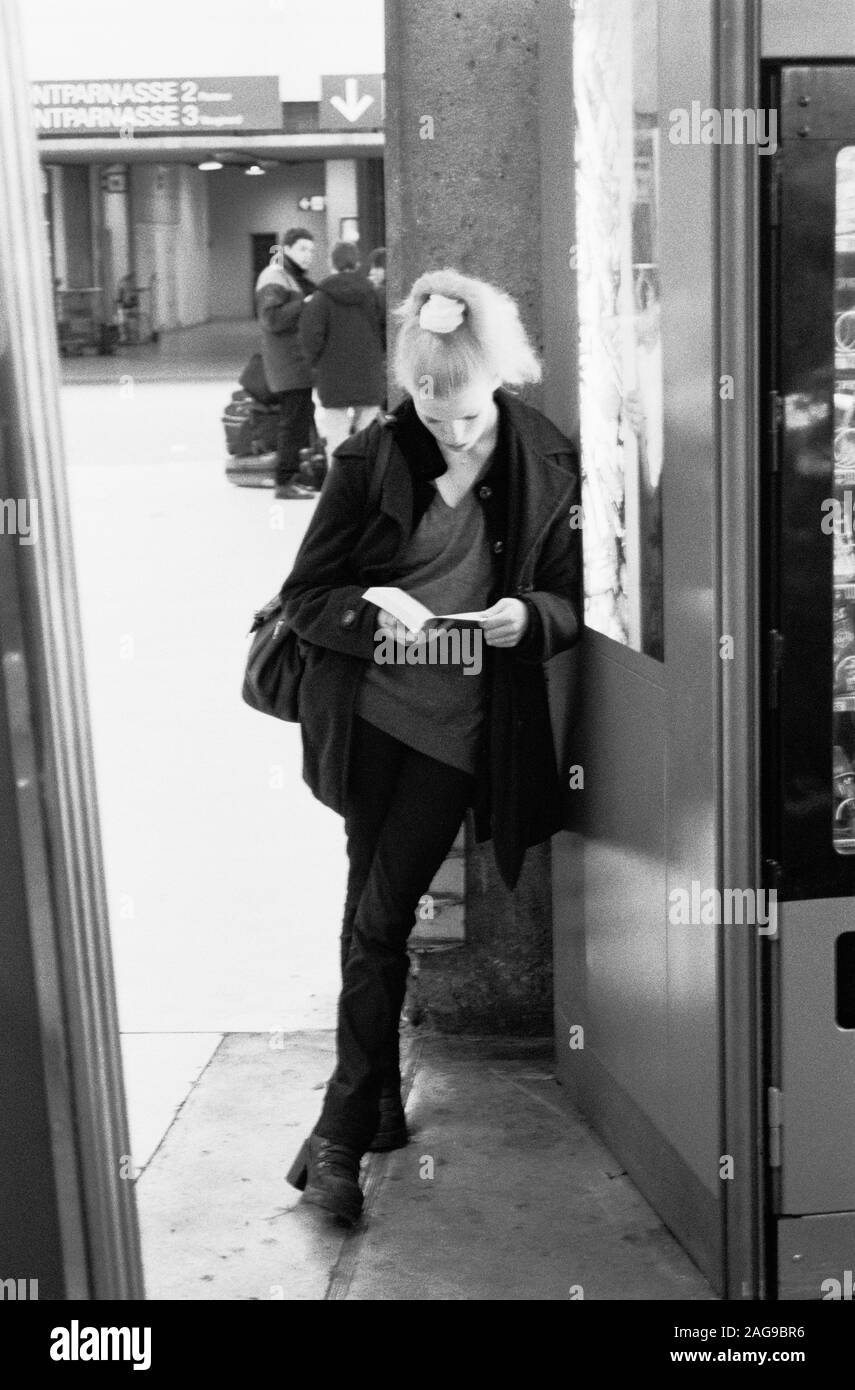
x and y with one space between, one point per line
327 1174
392 1129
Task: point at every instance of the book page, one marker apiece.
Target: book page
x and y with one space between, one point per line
410 612
402 606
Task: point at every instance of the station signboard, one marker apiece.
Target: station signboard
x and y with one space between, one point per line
352 102
128 107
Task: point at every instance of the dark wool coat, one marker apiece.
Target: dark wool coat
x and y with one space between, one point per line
340 329
279 295
527 496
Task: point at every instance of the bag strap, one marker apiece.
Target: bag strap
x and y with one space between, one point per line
381 465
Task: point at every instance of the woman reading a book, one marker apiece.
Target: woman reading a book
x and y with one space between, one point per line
463 503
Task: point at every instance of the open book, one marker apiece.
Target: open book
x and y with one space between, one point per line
415 615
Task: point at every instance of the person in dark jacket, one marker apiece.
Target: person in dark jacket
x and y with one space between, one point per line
377 276
280 292
341 337
478 512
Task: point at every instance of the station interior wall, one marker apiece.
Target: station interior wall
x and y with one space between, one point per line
240 207
191 229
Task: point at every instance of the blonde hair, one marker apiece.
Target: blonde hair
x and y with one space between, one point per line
490 338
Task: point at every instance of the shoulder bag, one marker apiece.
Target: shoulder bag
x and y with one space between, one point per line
274 667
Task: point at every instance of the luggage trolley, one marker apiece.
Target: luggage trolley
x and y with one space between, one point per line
79 322
135 313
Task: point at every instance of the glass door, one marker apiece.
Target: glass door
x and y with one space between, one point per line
810 493
839 514
809 806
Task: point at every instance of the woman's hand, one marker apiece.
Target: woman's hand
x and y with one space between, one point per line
505 623
390 627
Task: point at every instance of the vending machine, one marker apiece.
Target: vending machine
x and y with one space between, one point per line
808 524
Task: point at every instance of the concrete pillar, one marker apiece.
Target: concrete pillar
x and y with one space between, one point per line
100 257
463 189
117 228
462 155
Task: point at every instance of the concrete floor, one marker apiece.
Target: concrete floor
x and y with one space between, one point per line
211 352
503 1193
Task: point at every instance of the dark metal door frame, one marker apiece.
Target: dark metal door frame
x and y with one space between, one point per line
743 1197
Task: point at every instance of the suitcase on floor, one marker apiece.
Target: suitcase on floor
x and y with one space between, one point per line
251 440
252 470
250 428
251 431
237 424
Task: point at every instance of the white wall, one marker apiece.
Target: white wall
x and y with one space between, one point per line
341 195
240 205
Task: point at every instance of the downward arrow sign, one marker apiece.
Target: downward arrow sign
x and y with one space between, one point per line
351 105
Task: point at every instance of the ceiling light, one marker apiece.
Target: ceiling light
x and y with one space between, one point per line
210 164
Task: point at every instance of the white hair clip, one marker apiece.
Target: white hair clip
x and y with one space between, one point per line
439 314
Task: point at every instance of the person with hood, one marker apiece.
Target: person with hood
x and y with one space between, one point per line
475 509
341 333
280 292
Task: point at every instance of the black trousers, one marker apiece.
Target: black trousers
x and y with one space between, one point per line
403 812
296 422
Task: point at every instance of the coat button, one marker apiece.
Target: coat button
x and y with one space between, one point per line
498 547
348 617
485 492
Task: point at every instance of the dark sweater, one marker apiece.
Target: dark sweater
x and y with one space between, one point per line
438 708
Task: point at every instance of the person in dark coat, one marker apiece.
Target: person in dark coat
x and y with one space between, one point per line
280 292
341 336
478 512
377 276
